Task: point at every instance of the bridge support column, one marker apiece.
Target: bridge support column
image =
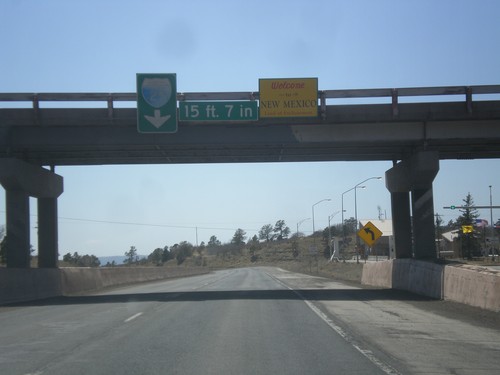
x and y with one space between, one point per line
424 232
47 233
401 223
18 229
414 175
22 180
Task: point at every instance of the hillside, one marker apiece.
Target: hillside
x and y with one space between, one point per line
292 255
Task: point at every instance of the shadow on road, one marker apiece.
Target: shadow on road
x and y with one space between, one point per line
279 294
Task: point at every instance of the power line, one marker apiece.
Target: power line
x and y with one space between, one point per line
147 224
144 224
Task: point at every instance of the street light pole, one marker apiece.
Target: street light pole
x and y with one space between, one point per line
491 209
330 232
323 200
347 191
300 222
356 212
493 247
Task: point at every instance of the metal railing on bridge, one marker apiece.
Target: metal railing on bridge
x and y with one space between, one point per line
323 95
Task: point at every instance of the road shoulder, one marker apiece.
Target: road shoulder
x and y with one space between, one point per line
414 333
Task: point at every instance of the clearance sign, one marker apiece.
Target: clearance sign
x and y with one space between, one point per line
294 97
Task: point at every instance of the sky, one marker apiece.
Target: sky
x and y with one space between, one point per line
100 46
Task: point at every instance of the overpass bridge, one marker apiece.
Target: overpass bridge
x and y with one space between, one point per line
408 128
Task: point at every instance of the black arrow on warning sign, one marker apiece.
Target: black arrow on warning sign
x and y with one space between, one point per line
370 232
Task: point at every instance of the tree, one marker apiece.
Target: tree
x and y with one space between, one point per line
439 230
254 246
199 249
166 255
281 230
265 233
132 256
77 260
89 261
239 237
350 226
156 257
213 242
470 240
183 251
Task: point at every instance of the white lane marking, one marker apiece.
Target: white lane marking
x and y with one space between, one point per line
132 317
35 373
367 353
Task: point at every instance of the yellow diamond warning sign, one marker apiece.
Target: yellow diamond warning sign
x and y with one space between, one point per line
467 229
369 233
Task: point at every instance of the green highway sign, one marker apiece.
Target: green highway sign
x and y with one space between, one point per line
218 111
156 103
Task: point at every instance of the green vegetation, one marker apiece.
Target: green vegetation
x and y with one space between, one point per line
470 241
275 245
77 260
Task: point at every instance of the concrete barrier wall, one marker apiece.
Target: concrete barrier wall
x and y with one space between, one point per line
81 280
475 286
17 285
377 274
425 278
20 284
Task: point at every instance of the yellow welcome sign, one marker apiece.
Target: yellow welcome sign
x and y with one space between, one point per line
294 97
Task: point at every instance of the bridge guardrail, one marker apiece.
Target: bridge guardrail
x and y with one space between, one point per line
323 95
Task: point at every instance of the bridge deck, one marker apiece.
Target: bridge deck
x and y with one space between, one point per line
391 131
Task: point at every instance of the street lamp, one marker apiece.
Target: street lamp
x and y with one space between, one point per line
491 209
323 200
300 222
330 232
347 191
492 233
356 212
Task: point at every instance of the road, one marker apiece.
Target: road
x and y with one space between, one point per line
244 321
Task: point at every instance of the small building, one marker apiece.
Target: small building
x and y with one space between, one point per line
447 245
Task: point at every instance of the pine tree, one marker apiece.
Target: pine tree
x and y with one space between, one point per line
469 239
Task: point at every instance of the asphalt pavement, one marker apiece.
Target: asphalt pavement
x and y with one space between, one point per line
229 322
245 321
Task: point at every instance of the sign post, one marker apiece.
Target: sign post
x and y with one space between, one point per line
156 103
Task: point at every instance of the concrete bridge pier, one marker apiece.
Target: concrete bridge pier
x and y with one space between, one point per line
401 224
410 185
22 180
47 233
18 228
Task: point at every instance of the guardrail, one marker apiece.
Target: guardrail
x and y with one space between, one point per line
323 95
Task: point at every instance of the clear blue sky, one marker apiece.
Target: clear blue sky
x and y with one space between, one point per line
99 46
